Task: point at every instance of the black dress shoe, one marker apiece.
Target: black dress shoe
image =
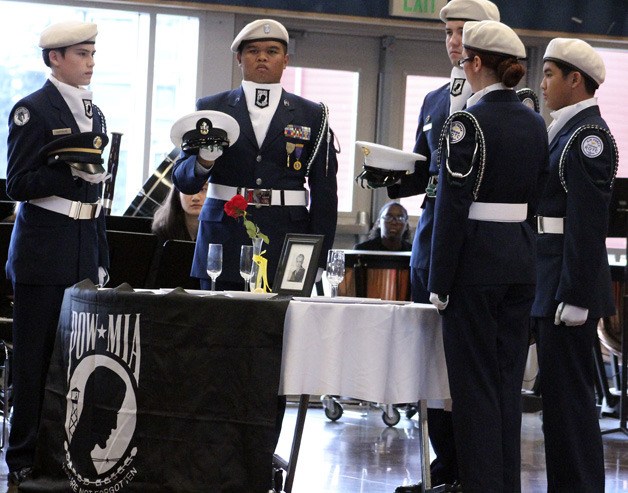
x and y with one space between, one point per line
19 476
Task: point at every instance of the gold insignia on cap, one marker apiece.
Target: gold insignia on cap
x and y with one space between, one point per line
203 128
366 151
97 142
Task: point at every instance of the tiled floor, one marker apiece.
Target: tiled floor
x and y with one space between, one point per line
359 453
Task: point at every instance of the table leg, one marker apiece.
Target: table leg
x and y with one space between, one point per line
424 446
424 450
296 442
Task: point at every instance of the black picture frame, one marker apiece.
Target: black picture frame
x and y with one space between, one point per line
287 279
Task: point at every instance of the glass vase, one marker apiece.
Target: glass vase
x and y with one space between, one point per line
256 280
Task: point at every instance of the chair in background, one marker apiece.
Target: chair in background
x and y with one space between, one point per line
130 257
174 264
129 223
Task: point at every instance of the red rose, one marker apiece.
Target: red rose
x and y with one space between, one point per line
236 206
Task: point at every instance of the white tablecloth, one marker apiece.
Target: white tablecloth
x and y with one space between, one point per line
386 353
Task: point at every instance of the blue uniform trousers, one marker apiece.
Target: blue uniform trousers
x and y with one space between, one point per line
573 442
35 320
485 334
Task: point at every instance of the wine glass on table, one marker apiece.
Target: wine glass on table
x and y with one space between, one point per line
214 262
335 269
246 264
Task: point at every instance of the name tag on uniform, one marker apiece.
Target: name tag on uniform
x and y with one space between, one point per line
427 126
61 131
297 132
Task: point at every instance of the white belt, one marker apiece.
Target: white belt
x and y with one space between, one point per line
554 225
70 208
498 212
259 196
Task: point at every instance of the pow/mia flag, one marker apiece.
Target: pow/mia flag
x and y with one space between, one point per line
262 97
456 86
160 393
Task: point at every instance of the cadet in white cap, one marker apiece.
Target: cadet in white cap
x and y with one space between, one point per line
284 141
573 278
55 142
436 107
481 275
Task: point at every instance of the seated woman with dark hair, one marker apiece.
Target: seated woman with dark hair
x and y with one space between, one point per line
177 217
390 232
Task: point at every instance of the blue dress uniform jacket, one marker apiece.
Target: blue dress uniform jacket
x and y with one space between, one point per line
244 164
48 248
48 252
434 112
487 268
573 267
469 252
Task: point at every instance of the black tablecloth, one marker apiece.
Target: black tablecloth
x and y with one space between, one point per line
180 390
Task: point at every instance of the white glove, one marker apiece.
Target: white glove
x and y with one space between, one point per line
99 178
103 277
210 153
439 301
571 315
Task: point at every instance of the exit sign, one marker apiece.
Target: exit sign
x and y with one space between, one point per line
418 9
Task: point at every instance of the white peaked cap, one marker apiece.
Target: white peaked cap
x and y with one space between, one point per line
205 125
388 158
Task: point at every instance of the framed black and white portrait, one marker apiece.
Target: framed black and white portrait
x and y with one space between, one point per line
298 263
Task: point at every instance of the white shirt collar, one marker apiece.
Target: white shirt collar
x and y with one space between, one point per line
563 115
261 101
498 86
79 100
459 99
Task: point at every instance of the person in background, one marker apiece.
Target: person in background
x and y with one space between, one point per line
493 160
177 217
437 106
390 232
284 142
573 276
56 137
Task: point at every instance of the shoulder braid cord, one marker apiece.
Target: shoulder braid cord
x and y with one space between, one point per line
479 153
103 121
323 132
563 155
